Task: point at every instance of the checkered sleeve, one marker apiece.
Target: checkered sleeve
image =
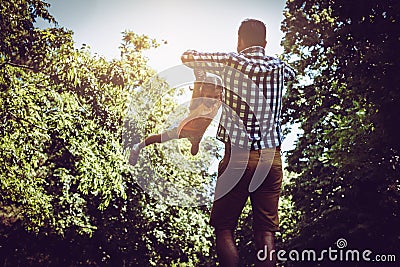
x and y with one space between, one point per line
289 73
209 62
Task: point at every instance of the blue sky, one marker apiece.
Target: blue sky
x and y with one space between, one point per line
202 25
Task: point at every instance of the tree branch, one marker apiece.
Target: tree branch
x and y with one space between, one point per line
16 65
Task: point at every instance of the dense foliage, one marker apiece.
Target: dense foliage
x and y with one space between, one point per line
347 105
67 196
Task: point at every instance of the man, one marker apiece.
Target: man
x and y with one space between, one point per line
250 128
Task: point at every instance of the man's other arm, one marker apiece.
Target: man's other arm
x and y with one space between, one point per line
289 73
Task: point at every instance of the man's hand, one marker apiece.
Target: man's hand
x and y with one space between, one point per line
188 56
199 74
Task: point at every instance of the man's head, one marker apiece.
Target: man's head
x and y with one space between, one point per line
251 32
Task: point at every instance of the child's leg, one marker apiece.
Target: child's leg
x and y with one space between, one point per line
195 141
152 139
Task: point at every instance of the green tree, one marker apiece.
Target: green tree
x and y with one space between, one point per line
346 103
67 196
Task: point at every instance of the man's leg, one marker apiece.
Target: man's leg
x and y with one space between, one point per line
227 208
226 248
265 206
265 242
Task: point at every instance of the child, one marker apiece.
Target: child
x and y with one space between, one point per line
204 105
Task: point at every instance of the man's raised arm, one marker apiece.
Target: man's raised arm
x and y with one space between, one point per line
209 62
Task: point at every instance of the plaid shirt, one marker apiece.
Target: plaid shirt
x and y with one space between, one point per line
252 97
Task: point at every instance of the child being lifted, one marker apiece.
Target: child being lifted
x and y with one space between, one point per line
204 105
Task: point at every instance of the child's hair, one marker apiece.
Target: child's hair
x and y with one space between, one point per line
210 87
212 79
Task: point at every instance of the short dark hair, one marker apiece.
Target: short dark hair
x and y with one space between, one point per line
253 32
